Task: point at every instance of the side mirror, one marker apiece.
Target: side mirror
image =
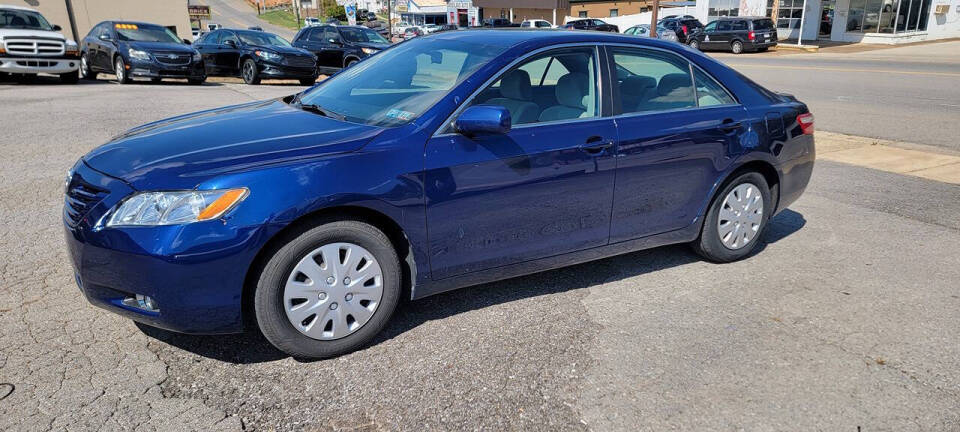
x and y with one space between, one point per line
187 41
57 27
484 120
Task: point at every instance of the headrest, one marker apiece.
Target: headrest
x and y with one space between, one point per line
516 85
571 88
671 82
637 85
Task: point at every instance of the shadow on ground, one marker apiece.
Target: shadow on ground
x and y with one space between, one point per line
252 347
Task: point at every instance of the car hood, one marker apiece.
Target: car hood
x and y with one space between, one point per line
374 45
160 46
9 32
181 152
283 49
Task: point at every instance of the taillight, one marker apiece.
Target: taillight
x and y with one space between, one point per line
751 36
684 28
806 123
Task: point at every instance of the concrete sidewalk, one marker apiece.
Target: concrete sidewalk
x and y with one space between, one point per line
932 163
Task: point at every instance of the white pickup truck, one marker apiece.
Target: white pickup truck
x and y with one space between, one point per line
29 45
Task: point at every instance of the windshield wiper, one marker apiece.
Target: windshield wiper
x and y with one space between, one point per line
322 111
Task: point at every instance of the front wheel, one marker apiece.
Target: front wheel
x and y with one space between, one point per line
120 71
249 72
736 47
695 44
329 290
85 71
736 219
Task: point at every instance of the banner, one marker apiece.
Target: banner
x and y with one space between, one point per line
351 10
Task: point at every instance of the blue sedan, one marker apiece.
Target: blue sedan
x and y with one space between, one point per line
446 161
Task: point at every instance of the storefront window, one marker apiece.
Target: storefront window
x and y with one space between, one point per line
722 8
887 16
790 13
614 12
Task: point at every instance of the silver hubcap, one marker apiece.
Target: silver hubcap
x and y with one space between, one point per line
119 68
333 291
83 66
740 216
247 72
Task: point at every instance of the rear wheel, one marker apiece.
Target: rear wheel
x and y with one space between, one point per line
736 47
329 290
695 44
120 71
249 72
736 219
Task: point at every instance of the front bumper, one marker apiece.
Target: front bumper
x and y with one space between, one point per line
155 69
279 71
34 65
195 272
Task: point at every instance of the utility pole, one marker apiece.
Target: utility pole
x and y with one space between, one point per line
390 19
653 18
296 11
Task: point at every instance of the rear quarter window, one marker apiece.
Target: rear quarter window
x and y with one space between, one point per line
763 24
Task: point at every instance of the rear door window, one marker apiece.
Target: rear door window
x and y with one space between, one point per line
763 24
739 25
654 81
723 26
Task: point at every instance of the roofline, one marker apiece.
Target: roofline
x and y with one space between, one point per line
15 7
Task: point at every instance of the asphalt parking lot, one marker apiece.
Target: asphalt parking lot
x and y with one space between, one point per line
846 319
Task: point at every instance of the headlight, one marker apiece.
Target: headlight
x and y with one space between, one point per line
71 48
369 51
137 54
267 55
196 56
176 207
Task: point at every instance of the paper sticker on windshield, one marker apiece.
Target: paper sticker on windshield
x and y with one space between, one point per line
399 114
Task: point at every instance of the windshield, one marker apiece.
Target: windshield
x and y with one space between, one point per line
141 33
398 85
354 34
23 19
261 38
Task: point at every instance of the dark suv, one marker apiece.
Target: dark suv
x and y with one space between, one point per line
338 47
689 30
739 34
591 24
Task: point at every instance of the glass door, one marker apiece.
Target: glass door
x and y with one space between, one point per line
826 19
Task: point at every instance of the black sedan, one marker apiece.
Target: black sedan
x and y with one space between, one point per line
138 50
591 24
255 55
338 47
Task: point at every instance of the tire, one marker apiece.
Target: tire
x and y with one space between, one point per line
70 77
695 44
196 81
736 47
710 245
349 63
249 72
85 71
308 81
120 71
309 339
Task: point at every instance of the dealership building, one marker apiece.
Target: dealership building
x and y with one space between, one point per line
77 17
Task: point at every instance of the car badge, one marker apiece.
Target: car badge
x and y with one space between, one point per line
172 56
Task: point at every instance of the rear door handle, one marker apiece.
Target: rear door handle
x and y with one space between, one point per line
729 125
596 145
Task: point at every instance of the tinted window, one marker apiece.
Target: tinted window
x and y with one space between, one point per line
143 33
399 84
354 34
653 81
723 26
763 24
331 33
261 38
228 36
711 26
23 19
739 25
543 24
709 91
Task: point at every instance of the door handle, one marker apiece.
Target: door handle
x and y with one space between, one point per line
728 125
596 145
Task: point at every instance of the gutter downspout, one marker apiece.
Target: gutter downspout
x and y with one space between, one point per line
73 20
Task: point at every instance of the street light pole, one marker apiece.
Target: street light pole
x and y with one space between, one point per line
653 18
803 14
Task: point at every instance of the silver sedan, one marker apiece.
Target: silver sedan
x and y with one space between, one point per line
644 31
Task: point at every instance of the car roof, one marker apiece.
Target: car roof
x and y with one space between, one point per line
136 23
542 37
14 7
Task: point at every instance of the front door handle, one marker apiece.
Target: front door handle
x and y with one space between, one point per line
729 125
596 145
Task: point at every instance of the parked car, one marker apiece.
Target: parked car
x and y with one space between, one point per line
644 30
400 27
739 34
254 55
338 47
30 45
213 26
131 50
498 22
196 33
255 28
536 23
430 28
311 21
412 32
689 30
425 169
448 27
591 24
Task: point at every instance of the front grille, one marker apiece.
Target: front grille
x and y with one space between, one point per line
300 61
81 197
34 47
172 58
36 63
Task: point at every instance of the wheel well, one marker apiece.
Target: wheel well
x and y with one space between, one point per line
769 174
379 220
348 58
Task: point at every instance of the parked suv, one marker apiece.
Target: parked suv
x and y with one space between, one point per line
739 34
30 45
138 50
689 30
338 47
591 24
